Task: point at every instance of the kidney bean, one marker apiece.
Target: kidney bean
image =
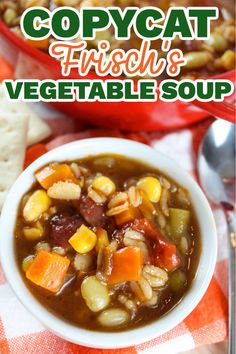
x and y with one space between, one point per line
93 213
62 226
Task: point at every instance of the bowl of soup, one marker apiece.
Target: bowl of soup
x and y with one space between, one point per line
107 242
204 58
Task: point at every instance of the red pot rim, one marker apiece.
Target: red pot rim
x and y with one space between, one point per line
33 52
48 60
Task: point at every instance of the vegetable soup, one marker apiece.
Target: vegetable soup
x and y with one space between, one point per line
107 243
207 57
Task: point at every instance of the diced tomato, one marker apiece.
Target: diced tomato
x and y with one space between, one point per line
7 71
164 252
165 255
34 152
147 227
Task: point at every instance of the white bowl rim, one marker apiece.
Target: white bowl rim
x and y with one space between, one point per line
109 340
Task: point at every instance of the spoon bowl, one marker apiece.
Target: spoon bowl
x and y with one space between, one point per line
217 162
216 166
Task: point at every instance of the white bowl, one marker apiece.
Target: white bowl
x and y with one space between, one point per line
127 338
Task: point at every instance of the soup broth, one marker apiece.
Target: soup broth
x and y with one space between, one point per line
115 245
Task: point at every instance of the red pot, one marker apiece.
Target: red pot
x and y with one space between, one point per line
30 63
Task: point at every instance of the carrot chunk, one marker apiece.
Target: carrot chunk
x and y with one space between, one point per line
128 215
126 265
42 44
51 174
146 208
48 270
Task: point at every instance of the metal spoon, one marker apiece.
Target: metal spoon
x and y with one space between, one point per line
216 166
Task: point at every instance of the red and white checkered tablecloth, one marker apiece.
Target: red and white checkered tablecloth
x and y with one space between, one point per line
21 333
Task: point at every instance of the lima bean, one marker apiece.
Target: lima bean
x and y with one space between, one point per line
95 294
113 317
217 42
197 60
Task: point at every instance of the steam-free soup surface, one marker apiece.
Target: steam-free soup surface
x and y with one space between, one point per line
107 243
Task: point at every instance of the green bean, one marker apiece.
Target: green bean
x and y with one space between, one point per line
179 222
183 245
178 280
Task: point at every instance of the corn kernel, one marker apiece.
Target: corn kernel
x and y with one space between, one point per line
33 233
227 60
102 238
36 205
84 240
151 187
104 185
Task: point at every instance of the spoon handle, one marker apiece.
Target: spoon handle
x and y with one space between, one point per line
232 281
